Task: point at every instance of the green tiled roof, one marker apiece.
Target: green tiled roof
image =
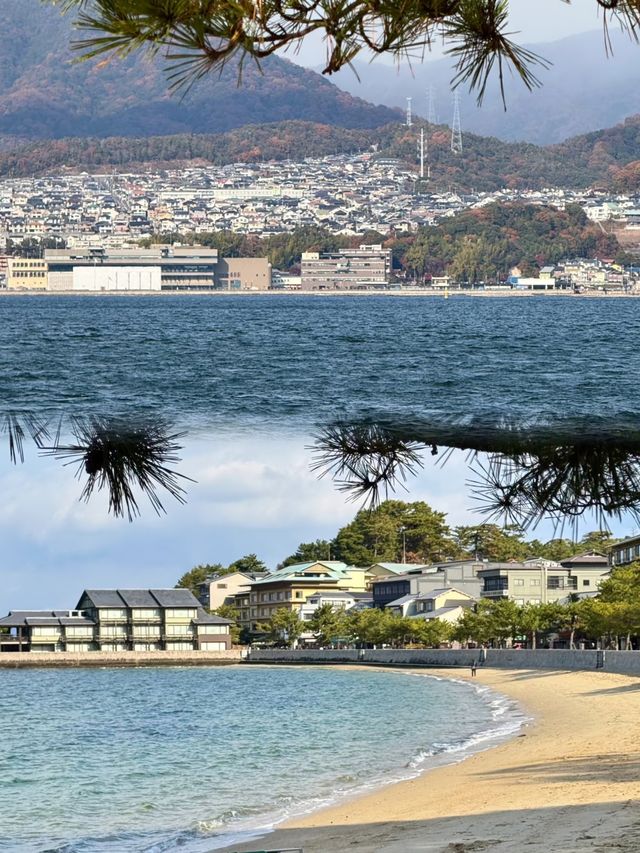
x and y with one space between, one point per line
335 571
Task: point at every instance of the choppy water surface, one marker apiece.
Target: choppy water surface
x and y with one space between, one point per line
161 759
297 360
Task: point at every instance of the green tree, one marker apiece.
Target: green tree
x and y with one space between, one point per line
250 563
491 542
328 624
597 540
284 627
198 575
309 552
393 529
228 611
370 626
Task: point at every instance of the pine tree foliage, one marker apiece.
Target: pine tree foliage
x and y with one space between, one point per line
198 36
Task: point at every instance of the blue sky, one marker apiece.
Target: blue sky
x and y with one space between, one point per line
253 494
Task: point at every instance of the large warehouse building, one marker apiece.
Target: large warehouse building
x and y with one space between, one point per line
180 268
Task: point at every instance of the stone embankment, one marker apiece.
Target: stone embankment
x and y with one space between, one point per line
91 659
625 663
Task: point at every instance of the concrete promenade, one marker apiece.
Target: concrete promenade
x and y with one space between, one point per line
624 663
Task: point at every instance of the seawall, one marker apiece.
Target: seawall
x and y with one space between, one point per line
624 663
91 659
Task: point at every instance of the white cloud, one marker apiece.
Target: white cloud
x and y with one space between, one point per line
253 494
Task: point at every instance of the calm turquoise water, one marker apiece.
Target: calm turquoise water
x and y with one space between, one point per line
179 758
297 361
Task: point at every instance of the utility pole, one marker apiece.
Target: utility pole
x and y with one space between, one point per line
421 152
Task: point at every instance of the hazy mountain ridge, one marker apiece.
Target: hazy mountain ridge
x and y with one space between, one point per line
582 90
47 93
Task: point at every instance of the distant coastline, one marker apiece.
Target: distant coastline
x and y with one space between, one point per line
417 292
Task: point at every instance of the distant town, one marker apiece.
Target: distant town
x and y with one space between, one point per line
141 232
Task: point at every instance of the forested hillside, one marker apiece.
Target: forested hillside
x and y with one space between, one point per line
477 245
47 93
608 159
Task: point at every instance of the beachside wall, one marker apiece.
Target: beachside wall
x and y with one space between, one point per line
626 663
127 658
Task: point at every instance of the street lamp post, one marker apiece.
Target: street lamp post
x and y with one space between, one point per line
403 530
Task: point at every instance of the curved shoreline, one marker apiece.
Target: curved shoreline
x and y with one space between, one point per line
440 755
569 783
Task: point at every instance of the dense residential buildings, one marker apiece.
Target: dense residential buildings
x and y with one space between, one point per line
350 195
118 620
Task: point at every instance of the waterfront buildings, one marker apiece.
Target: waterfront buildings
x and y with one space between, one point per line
447 604
302 588
543 581
416 580
529 582
219 589
364 268
118 620
176 268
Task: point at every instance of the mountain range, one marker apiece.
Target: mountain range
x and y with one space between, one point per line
582 90
47 93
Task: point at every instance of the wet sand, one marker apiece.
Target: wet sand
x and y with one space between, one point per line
570 782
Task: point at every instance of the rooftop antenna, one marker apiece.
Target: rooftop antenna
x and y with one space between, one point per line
409 120
456 132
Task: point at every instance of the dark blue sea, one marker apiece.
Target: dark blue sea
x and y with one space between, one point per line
292 362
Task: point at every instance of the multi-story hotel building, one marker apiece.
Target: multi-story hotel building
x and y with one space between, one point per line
364 268
115 620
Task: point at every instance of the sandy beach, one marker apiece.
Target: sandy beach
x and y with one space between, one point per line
569 782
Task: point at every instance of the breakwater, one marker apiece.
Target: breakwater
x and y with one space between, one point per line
17 660
624 663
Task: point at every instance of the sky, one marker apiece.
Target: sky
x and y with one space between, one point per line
253 494
536 20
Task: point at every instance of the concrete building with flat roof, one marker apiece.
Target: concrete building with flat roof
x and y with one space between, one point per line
543 581
626 551
168 268
364 268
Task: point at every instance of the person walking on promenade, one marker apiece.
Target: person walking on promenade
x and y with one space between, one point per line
474 669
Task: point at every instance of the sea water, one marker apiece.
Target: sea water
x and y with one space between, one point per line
157 759
296 361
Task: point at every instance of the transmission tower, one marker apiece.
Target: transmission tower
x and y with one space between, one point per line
456 132
409 121
431 106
